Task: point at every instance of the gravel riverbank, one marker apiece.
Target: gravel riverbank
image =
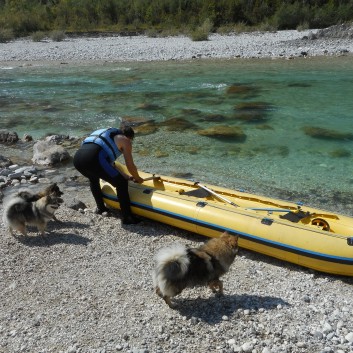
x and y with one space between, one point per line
87 286
286 44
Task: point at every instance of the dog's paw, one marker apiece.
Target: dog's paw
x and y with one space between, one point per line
169 302
172 305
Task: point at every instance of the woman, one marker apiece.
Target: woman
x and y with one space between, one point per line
95 160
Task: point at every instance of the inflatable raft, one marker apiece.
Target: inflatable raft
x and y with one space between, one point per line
306 236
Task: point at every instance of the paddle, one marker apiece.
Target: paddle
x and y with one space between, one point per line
215 194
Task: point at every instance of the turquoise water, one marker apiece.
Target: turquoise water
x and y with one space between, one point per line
295 116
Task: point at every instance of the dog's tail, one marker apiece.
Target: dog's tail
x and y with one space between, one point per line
172 262
13 205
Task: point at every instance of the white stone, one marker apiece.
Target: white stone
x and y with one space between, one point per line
327 328
247 347
349 337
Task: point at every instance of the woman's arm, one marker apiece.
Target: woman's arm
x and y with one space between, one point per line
125 146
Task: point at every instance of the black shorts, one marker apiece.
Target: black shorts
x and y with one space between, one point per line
93 162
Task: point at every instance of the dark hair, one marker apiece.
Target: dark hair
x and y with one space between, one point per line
128 132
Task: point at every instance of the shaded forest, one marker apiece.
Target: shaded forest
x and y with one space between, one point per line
23 17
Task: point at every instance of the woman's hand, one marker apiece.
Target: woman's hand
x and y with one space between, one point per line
138 180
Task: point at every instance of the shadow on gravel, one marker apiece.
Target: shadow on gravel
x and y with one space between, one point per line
152 228
63 225
54 238
292 267
212 310
258 257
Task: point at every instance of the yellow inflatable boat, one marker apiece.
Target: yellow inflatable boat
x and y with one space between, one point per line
305 236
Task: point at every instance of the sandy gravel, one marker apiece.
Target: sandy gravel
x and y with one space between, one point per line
86 286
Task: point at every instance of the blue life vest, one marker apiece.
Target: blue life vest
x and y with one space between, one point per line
105 139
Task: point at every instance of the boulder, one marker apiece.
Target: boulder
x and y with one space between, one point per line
9 137
27 138
4 162
48 153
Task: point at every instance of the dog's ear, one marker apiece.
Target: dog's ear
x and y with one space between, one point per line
232 240
59 200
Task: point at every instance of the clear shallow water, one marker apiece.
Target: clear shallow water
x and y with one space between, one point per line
286 101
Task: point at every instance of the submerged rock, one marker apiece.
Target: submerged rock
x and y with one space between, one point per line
340 152
149 106
242 90
224 131
251 116
213 117
146 129
326 134
135 121
256 106
178 124
264 127
299 85
192 112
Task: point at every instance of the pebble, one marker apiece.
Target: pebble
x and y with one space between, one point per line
349 337
247 347
13 175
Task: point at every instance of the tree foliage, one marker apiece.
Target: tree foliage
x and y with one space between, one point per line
28 16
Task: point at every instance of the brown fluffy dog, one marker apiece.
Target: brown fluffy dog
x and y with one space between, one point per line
178 267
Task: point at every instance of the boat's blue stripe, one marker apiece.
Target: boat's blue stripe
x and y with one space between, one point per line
251 237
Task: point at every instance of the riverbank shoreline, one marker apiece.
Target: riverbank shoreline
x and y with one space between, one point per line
281 44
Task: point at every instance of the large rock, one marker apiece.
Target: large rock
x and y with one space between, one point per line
48 153
4 162
8 136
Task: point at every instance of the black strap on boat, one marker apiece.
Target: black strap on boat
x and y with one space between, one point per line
295 217
200 193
